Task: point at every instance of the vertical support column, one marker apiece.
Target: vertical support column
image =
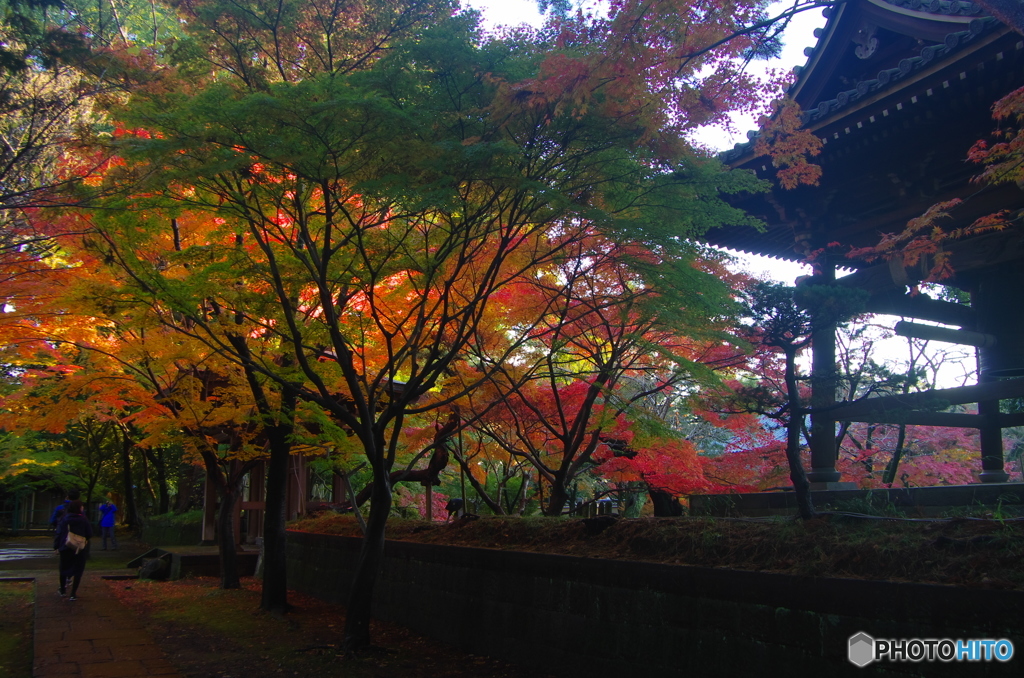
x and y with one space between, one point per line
236 514
992 297
256 503
296 492
991 440
823 390
337 490
209 537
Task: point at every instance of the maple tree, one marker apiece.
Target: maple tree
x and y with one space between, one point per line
607 343
330 208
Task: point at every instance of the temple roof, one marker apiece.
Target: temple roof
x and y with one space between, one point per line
883 35
898 91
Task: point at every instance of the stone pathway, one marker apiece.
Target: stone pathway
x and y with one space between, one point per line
93 637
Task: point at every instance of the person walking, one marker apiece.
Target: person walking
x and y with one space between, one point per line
71 543
108 518
62 509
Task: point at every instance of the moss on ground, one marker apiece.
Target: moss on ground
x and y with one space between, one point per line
16 601
961 551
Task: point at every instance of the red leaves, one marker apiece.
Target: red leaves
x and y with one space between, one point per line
924 236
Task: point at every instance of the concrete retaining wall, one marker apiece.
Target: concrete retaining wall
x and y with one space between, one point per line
572 616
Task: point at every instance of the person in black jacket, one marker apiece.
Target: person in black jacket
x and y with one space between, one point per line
72 559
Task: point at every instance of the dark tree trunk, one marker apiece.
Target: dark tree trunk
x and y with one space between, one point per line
481 491
275 582
889 476
229 578
797 474
160 470
558 499
360 604
131 511
665 505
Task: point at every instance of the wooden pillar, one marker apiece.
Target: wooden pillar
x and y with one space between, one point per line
991 444
255 503
236 515
209 536
823 390
993 297
295 497
338 494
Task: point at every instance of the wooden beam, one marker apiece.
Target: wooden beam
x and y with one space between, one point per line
918 418
1013 419
921 307
949 419
930 400
934 333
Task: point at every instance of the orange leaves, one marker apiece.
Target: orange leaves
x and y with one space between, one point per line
788 143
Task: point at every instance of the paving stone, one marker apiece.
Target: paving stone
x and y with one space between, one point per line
112 669
93 637
63 670
97 655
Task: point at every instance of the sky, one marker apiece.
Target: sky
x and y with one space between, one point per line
798 36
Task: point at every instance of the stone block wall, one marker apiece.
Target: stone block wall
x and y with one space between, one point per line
572 616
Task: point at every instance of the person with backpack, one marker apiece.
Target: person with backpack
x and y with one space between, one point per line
108 517
62 509
71 544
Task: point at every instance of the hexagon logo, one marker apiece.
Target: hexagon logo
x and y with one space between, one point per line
862 649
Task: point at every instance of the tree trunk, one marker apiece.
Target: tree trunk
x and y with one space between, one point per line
229 578
889 476
160 466
559 497
275 575
665 505
131 511
796 415
358 613
481 491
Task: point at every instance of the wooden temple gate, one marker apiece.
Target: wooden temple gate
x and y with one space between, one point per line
899 91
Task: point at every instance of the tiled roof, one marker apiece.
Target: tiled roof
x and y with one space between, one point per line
953 42
954 8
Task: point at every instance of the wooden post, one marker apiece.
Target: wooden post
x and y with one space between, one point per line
295 496
993 297
991 440
209 536
256 498
823 392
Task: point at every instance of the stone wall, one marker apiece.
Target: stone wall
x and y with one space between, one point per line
570 616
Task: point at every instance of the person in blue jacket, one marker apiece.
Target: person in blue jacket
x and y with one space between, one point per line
108 518
72 559
62 509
